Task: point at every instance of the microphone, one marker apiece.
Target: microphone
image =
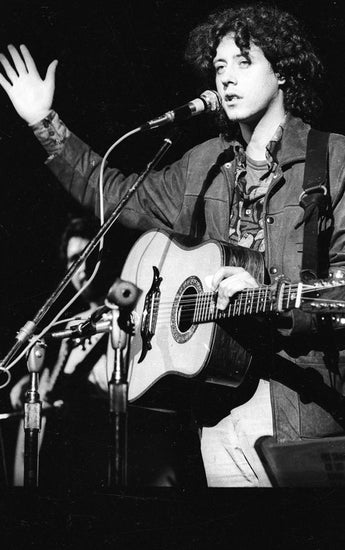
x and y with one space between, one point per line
207 101
84 329
122 294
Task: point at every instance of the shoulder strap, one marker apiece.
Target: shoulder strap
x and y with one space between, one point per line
314 200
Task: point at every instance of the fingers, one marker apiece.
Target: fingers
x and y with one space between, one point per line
227 271
29 62
31 65
228 281
5 83
9 70
23 63
17 59
50 74
12 73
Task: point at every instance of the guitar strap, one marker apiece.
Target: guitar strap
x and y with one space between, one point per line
315 201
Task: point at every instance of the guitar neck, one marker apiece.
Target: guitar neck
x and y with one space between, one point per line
263 299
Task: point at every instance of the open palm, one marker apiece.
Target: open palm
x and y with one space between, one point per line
31 95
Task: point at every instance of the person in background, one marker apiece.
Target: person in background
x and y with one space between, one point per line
75 430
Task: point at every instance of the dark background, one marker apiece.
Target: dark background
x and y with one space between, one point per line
120 63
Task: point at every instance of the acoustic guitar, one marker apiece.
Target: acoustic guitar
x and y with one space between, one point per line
179 332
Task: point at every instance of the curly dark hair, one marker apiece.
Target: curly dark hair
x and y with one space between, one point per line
283 41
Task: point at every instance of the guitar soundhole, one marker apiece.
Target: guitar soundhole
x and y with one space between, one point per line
182 312
186 309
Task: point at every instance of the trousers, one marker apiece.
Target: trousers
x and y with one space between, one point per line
228 452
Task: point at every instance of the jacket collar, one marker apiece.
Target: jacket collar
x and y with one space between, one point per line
291 148
293 145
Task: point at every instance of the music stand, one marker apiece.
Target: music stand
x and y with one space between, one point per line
307 463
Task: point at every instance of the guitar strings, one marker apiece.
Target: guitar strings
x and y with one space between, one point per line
189 306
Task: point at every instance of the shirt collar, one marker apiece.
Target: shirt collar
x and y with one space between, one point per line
238 146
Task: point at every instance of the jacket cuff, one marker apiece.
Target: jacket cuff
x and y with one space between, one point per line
296 322
52 133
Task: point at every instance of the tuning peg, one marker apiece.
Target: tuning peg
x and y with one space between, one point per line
337 274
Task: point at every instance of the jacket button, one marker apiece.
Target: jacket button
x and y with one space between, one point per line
269 219
273 270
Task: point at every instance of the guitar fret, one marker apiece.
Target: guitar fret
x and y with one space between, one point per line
240 303
258 300
195 313
204 309
285 296
209 307
289 297
251 293
201 309
245 302
265 300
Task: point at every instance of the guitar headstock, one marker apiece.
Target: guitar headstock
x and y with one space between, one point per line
324 296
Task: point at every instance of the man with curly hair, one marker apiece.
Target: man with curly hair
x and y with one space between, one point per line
243 187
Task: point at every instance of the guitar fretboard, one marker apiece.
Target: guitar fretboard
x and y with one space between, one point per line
263 299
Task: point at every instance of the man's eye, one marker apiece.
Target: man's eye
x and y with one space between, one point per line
220 69
244 62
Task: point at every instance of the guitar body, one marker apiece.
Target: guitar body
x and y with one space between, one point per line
178 349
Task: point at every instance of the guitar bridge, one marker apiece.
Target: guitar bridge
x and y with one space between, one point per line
150 313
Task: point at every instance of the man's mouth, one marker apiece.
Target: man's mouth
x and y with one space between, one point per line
230 98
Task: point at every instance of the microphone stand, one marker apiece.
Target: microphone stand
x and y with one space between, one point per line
25 333
119 303
124 295
118 392
32 417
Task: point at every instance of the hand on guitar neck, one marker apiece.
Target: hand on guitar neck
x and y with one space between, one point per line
227 281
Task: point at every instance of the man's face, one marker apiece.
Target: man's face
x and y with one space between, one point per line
75 247
247 84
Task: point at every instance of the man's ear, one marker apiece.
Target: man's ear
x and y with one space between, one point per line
281 79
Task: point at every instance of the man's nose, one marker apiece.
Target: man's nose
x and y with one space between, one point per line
228 77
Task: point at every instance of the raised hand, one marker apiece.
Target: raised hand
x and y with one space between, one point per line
32 96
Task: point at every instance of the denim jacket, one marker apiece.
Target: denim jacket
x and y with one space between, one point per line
192 196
